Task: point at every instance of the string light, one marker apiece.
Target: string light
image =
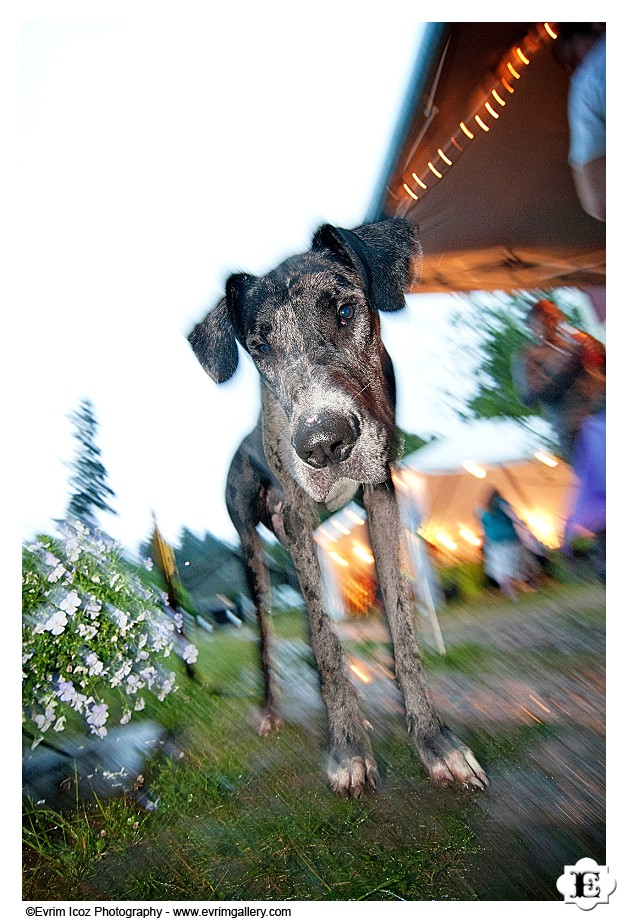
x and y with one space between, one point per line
519 55
546 459
338 558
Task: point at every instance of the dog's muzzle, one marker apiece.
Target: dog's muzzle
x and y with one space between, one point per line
325 439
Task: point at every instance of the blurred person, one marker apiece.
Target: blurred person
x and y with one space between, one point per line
564 372
504 555
581 50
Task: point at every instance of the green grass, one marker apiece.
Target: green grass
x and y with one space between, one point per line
245 818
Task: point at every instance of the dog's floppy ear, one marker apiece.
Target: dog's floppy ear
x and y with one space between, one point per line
387 255
214 344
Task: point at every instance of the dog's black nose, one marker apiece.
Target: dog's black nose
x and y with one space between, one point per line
325 439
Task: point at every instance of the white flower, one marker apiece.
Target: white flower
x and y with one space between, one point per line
133 684
139 705
50 559
148 564
56 574
67 692
97 716
126 716
60 724
87 631
72 550
190 653
95 665
93 607
122 620
71 602
56 623
44 721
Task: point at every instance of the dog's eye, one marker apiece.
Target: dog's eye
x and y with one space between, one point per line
262 349
345 313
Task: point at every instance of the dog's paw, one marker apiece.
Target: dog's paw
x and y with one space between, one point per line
268 722
449 761
352 776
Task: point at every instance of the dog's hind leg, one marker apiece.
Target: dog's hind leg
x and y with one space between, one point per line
245 499
259 587
351 768
446 759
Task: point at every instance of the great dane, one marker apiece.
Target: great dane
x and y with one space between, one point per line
327 426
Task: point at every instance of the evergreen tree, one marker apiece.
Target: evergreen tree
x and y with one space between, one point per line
88 482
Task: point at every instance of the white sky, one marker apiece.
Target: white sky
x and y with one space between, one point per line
159 157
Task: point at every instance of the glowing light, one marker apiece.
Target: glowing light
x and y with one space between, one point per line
522 57
362 552
445 541
507 85
420 182
546 459
354 516
468 133
514 73
490 109
497 98
338 558
446 159
409 191
323 533
338 525
470 537
455 143
543 527
550 31
434 170
361 673
529 713
474 469
540 704
481 123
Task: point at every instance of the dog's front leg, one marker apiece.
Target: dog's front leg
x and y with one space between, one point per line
445 758
351 768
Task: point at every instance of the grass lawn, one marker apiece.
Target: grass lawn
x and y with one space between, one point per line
244 818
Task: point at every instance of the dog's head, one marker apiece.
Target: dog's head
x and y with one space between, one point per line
312 328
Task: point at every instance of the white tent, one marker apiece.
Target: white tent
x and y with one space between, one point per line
451 478
440 489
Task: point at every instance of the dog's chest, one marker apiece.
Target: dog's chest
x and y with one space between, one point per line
341 493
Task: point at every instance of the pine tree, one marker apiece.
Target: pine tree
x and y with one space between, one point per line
89 479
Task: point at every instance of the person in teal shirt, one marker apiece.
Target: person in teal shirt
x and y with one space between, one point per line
504 560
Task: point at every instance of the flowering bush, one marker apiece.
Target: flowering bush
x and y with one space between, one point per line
95 637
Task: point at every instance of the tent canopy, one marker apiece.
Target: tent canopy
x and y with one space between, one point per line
452 478
497 210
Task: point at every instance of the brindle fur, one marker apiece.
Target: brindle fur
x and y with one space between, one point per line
327 425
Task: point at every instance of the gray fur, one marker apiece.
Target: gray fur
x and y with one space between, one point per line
327 425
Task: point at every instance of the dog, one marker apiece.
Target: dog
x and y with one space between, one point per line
327 426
